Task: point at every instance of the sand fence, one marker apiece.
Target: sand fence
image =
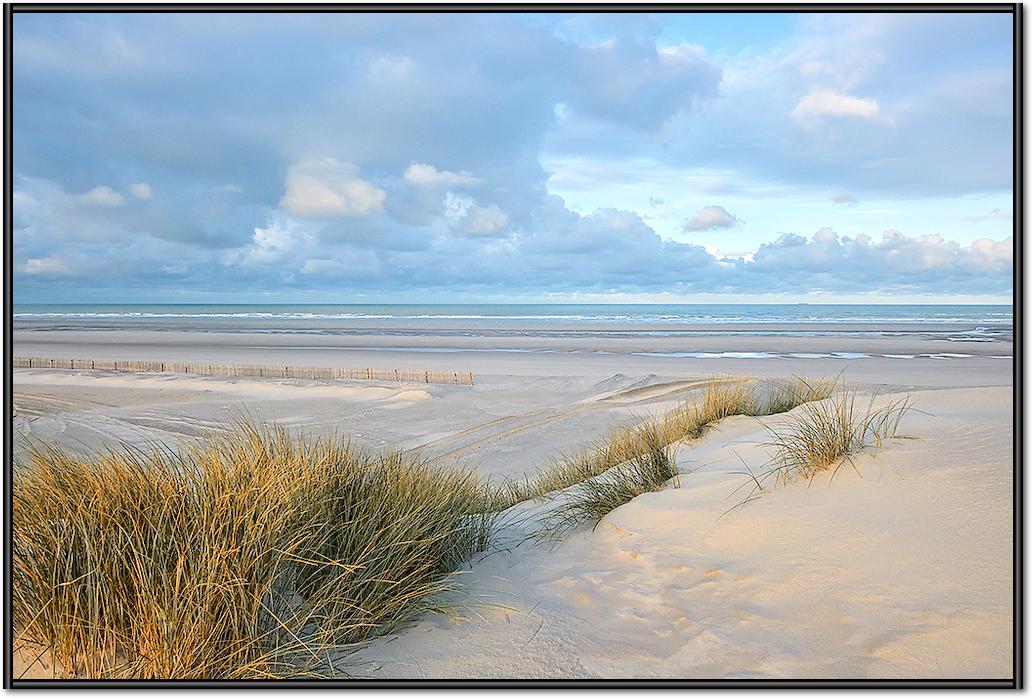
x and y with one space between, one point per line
237 371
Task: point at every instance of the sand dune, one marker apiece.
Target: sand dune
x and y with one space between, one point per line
902 569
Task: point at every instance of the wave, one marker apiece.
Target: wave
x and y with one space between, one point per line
644 318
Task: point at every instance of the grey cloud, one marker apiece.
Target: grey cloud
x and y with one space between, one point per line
609 249
207 112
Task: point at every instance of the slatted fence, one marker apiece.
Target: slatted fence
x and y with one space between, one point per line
270 371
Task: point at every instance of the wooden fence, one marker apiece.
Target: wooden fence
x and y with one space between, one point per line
313 372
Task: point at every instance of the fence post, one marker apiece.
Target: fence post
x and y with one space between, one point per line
263 371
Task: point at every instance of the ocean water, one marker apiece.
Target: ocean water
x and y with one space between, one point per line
508 327
530 314
957 323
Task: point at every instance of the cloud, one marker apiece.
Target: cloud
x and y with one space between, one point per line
141 190
710 218
471 220
963 98
822 103
49 266
420 175
926 263
454 95
484 221
637 84
103 196
844 197
280 242
557 252
330 189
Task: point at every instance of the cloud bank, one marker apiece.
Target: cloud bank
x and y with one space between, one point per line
371 156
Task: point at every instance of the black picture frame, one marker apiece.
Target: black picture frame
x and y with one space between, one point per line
1014 9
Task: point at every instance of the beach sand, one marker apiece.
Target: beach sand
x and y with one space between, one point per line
900 568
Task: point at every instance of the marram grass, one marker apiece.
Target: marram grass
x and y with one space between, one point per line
640 460
824 435
827 433
254 554
721 397
592 499
248 556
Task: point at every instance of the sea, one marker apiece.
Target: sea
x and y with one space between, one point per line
619 313
963 324
979 320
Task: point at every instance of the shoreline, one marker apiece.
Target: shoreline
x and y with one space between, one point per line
173 344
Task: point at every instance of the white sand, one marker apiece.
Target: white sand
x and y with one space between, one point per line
905 572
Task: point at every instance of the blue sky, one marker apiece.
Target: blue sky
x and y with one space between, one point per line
349 158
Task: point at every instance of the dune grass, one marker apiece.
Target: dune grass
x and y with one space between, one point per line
721 397
247 556
647 471
828 433
254 554
786 394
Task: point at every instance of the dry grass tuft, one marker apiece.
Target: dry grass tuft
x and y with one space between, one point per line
248 556
722 397
593 498
783 395
827 433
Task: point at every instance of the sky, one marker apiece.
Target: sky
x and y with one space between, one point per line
511 157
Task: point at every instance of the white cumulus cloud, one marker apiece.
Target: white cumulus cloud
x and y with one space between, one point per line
484 221
280 242
821 103
49 266
103 196
468 218
423 175
330 189
711 218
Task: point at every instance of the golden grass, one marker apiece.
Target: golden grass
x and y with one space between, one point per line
827 433
248 556
721 397
254 554
645 472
